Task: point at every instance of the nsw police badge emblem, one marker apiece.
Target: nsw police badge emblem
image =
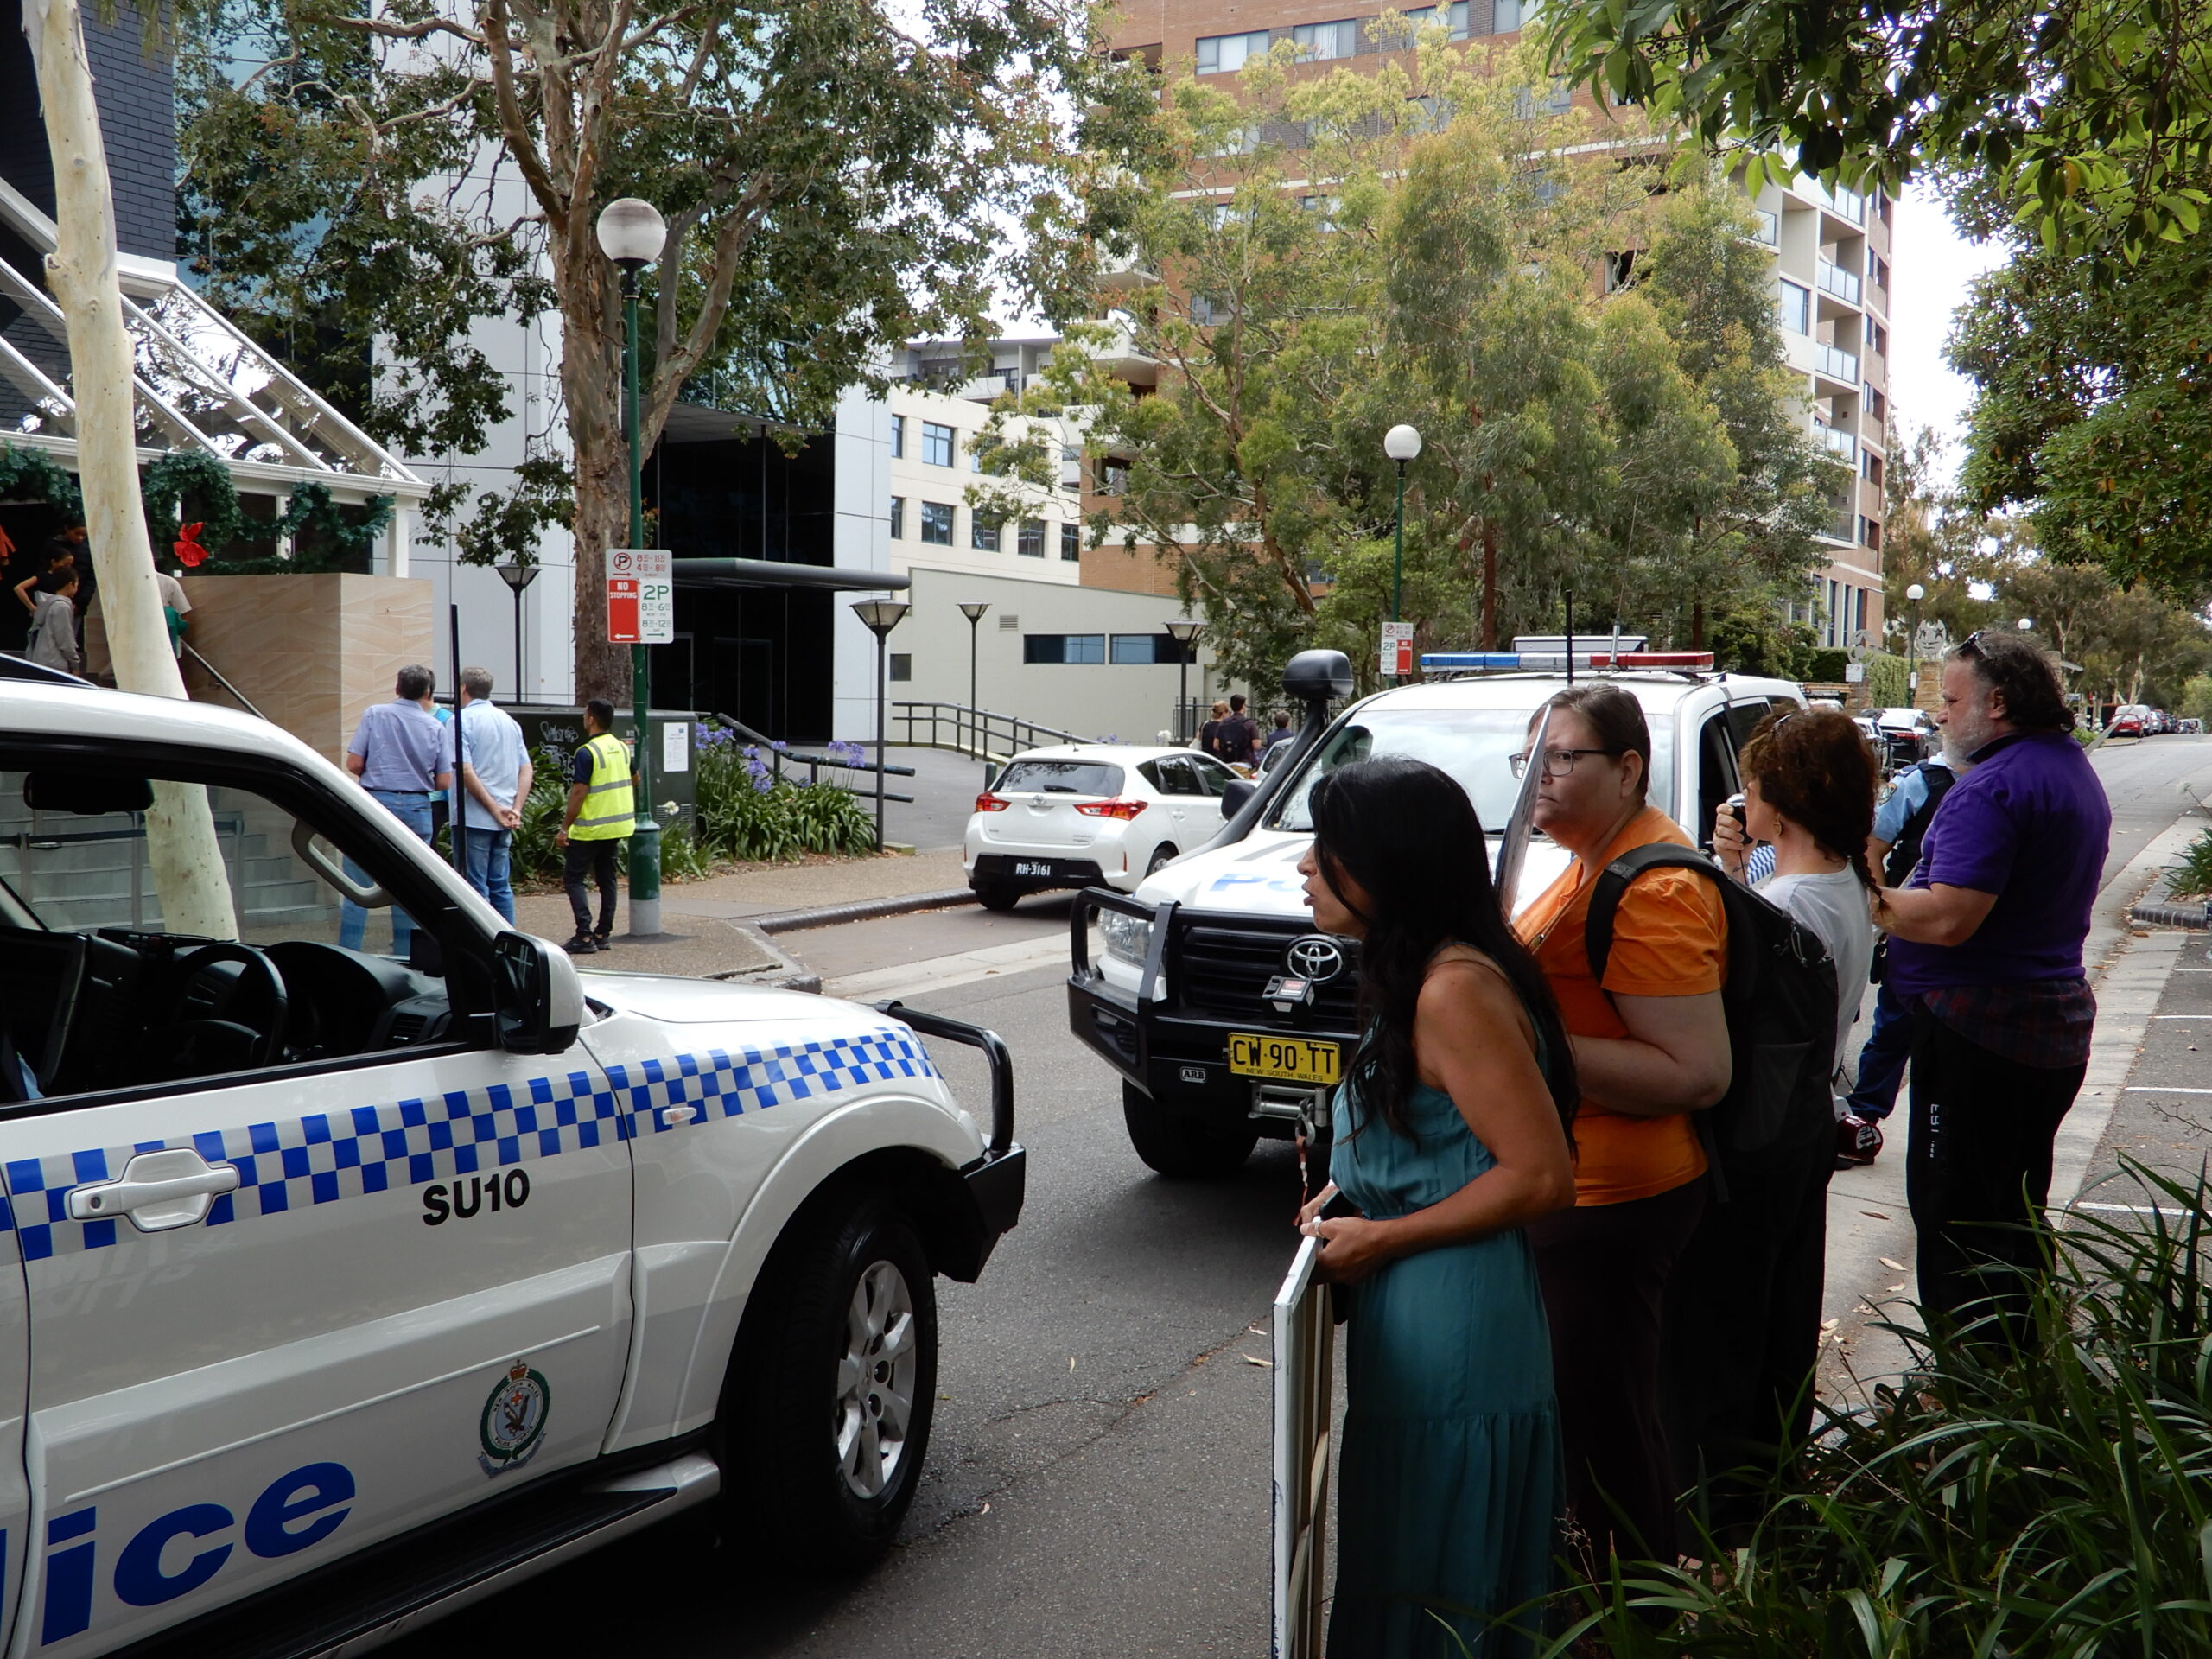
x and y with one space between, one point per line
513 1420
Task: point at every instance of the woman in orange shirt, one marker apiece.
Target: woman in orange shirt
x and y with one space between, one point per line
1651 1047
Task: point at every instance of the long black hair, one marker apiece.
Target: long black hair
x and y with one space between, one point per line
1407 833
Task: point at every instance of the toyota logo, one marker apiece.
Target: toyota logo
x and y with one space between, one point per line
1317 957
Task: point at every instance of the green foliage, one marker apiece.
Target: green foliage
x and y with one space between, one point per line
2095 115
1827 666
2044 1502
1636 448
2196 699
837 177
1886 684
2191 876
682 858
327 537
746 811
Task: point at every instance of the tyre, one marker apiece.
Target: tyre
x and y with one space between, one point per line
996 895
1179 1145
1160 856
832 1387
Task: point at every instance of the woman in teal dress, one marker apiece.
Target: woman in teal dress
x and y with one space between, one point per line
1451 1133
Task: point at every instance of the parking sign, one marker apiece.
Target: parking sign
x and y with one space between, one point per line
640 596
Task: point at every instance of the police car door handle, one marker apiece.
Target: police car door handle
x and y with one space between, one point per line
157 1191
672 1116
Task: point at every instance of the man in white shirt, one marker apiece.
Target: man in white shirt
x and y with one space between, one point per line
493 765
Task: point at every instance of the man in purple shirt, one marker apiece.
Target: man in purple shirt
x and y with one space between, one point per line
399 752
1985 949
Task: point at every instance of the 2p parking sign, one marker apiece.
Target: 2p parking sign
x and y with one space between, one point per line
640 596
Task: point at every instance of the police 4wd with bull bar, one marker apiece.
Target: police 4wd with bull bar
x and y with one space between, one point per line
1227 1017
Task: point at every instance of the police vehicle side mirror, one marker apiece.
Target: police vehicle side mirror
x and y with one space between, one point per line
1318 675
540 1000
1233 794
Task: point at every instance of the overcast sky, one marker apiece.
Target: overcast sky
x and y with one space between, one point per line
1933 265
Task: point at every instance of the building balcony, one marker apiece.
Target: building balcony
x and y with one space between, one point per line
1844 284
1844 204
1835 363
1837 443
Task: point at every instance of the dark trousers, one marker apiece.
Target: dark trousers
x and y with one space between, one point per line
1978 1172
600 859
1881 1062
1742 1327
1605 1269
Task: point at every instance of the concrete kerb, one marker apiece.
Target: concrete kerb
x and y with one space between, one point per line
866 910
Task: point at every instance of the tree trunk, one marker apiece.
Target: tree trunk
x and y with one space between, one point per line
1490 586
591 370
1697 626
187 862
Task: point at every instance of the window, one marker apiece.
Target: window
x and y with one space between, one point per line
902 666
1062 647
1881 340
1029 540
937 524
1506 16
1870 533
1793 306
1769 226
898 439
1870 464
1324 209
1557 99
1113 477
1429 113
1243 142
1319 42
1060 777
1205 313
898 517
1876 404
1455 16
1071 544
1171 774
1880 271
1225 54
983 537
936 443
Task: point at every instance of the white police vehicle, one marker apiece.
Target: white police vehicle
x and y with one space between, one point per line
340 1291
1178 1001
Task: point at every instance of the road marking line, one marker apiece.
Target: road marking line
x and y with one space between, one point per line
2153 1089
2134 1209
943 973
2181 1016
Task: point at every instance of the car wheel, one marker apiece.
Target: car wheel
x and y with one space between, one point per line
1177 1145
996 895
832 1388
1160 856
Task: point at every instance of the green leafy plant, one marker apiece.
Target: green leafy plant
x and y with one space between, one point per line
2192 877
2036 1498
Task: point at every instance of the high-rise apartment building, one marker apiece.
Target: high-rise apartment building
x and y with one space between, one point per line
1833 275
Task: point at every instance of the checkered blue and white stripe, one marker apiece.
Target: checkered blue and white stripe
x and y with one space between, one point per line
330 1157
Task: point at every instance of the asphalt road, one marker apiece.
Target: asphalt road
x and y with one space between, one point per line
1098 1483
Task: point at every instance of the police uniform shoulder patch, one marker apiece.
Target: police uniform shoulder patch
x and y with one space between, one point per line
514 1420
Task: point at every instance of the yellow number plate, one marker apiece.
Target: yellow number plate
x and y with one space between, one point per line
1291 1059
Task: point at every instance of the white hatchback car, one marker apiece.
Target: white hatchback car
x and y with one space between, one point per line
1087 814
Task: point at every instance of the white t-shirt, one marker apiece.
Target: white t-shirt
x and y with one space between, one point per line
1834 907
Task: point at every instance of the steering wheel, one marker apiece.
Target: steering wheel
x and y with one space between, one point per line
256 1043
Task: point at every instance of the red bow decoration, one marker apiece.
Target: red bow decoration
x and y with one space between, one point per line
188 550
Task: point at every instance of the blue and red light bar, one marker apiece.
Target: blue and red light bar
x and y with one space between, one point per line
1435 662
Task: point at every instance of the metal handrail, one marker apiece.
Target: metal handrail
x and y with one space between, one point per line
814 763
216 675
976 732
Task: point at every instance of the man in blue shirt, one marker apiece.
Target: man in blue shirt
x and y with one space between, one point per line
1900 824
1985 949
399 752
494 768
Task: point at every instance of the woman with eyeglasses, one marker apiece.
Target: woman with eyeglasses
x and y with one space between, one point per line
1451 1136
1651 1045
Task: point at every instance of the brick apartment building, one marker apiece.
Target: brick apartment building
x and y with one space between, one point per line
1834 262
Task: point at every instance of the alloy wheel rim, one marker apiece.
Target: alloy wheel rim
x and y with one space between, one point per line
876 1380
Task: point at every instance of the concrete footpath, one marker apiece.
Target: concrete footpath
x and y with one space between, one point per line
1870 1250
721 927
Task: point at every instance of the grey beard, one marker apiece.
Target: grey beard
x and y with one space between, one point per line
1954 756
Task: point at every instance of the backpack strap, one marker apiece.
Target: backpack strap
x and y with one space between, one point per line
1612 884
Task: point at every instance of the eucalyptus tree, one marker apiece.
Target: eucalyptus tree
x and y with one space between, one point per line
836 175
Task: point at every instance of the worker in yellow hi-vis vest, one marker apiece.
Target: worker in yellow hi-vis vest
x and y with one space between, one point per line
602 807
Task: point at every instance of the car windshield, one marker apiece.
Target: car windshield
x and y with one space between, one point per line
1472 744
1060 777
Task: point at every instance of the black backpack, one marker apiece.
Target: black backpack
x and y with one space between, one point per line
1780 997
1896 868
